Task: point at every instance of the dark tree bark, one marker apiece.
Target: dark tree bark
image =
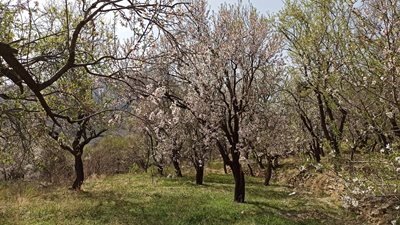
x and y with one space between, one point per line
175 159
78 172
275 164
250 170
198 159
199 174
239 182
395 126
160 170
159 165
225 158
316 149
246 156
321 149
177 167
225 169
81 139
142 164
268 171
238 174
383 139
352 153
259 160
327 118
322 117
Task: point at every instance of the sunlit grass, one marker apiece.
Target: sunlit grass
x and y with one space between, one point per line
142 199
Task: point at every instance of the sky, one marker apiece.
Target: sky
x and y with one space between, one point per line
263 6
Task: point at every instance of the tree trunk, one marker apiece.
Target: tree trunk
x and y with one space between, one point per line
328 135
316 150
78 172
395 126
160 170
321 149
177 167
353 151
142 164
239 182
225 170
199 174
259 162
224 155
268 171
275 164
250 170
383 140
175 159
246 156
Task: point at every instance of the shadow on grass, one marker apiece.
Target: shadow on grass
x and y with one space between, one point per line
137 200
154 208
170 208
274 200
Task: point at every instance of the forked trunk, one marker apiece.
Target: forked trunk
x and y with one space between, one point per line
78 172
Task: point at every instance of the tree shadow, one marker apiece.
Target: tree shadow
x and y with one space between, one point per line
175 201
295 210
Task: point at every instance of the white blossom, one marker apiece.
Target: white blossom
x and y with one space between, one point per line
389 114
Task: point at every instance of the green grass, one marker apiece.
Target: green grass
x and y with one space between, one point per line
142 199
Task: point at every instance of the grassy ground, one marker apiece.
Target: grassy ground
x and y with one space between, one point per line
142 199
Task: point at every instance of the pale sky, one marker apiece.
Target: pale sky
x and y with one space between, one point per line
263 6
